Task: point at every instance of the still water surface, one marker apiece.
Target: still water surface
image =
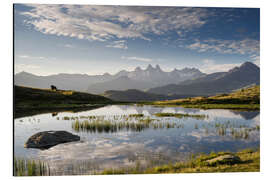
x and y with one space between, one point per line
98 151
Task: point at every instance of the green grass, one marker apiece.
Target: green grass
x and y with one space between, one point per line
101 125
35 100
249 162
107 126
224 106
179 115
244 99
136 115
23 167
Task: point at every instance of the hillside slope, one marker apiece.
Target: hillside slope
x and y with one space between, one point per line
248 98
27 99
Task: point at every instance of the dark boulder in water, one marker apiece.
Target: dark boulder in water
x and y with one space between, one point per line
48 139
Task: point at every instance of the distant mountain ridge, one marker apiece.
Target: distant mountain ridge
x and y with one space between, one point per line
222 82
137 79
153 80
134 95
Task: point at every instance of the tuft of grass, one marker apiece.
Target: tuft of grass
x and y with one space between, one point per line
101 125
179 115
24 167
136 115
107 126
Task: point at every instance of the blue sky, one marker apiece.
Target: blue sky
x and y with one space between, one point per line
51 39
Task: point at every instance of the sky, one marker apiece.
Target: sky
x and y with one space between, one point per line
88 39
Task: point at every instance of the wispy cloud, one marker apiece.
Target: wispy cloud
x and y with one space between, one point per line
249 47
121 44
30 57
68 45
25 67
108 22
245 46
137 59
256 59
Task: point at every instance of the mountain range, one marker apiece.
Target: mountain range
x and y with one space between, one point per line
150 84
210 84
138 79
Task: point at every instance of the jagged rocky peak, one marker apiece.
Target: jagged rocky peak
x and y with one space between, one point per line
158 67
187 70
149 67
138 68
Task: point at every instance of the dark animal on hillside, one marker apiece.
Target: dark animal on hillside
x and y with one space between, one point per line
53 87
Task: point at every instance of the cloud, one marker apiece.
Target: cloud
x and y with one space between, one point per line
249 47
102 23
210 66
121 44
68 45
137 59
256 59
23 56
25 67
245 46
30 57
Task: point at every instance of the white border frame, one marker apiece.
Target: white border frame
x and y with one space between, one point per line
7 82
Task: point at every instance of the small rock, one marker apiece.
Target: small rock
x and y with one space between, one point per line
47 139
224 159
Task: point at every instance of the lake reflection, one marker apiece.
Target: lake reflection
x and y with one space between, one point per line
97 151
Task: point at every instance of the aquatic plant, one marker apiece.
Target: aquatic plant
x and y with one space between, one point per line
110 126
136 115
179 115
25 167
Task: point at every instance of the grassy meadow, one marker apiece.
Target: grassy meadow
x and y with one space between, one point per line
32 100
243 99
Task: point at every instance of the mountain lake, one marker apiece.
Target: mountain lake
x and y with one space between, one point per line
162 140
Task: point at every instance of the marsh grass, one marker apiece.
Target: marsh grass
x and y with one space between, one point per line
107 126
140 122
23 167
179 115
101 125
136 115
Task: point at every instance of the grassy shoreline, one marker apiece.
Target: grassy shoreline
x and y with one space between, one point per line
245 99
249 162
240 107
